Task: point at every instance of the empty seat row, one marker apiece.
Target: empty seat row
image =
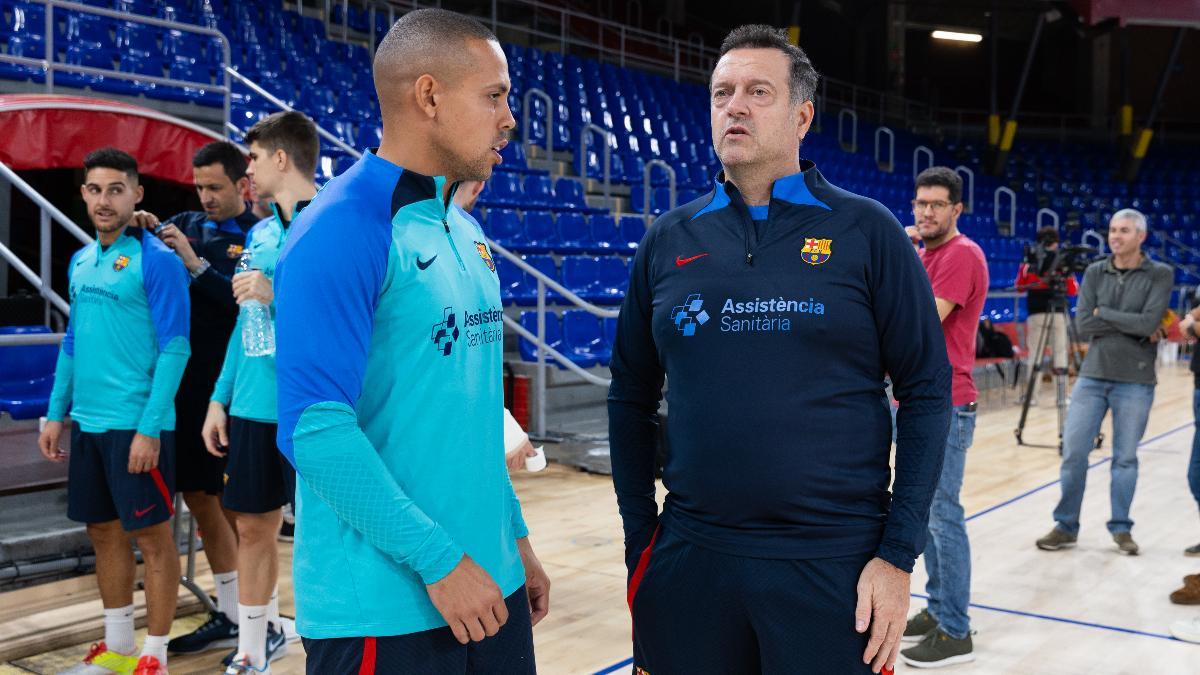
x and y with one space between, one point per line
579 335
542 232
601 280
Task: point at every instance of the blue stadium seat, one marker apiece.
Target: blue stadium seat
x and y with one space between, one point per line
504 227
574 235
540 235
609 326
30 47
183 46
632 230
85 55
370 135
583 337
539 192
139 64
503 190
142 7
569 196
553 339
514 158
138 37
545 265
26 375
612 280
606 237
190 72
580 274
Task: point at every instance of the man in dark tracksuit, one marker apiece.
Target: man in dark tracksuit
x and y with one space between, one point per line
209 243
775 305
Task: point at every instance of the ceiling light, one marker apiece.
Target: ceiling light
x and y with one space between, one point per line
957 37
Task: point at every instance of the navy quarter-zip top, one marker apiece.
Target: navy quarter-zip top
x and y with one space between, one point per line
776 337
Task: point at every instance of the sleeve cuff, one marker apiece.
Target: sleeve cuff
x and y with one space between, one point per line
897 556
442 564
151 430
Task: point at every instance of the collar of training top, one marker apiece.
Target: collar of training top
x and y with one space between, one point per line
793 189
412 187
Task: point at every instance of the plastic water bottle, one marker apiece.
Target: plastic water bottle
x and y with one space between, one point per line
258 332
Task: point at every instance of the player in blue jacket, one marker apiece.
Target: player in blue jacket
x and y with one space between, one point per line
411 552
120 363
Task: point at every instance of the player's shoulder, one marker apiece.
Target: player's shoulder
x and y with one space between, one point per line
713 201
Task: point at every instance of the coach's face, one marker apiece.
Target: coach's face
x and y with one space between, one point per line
753 118
1124 237
473 118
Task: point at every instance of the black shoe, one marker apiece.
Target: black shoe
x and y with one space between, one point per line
216 633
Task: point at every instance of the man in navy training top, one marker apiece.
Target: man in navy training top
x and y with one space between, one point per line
958 273
775 305
209 243
123 354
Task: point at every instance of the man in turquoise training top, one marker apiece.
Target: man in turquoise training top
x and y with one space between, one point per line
120 364
411 552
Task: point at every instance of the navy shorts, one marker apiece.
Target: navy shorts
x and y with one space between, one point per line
699 611
258 479
101 489
196 469
431 652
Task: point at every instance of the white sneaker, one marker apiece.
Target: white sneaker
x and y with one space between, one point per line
100 660
289 629
1187 630
241 666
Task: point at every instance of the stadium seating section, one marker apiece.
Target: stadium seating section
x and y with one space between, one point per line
545 219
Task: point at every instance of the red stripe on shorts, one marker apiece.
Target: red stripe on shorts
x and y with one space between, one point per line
368 660
162 489
640 570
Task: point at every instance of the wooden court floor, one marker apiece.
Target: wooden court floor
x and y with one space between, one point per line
1088 610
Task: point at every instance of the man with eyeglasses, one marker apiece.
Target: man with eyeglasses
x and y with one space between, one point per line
958 272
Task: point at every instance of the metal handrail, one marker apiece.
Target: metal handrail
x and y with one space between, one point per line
970 173
27 339
34 279
539 340
1101 244
324 133
917 152
51 66
891 165
585 136
1049 212
44 204
549 119
1012 200
843 114
646 187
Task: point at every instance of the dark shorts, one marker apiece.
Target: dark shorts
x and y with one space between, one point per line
257 477
101 489
196 470
432 652
699 611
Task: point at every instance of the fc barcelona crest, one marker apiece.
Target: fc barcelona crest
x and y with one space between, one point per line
234 251
120 263
486 255
816 251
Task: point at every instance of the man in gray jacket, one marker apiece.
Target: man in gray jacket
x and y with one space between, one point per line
1121 305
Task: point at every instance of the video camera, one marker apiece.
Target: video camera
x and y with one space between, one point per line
1055 264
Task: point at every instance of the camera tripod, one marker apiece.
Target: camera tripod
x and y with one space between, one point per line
1058 312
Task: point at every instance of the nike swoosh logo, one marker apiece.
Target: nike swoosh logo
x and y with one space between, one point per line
142 512
681 261
252 618
426 264
226 582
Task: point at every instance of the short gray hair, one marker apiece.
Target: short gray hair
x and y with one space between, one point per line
1138 218
802 83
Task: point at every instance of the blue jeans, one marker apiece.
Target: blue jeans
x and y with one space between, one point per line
948 552
1090 401
1194 464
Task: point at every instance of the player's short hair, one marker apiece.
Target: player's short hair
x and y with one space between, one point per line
294 133
224 153
111 158
1139 219
942 176
802 84
423 39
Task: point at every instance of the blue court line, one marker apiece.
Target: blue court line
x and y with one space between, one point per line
1016 612
1059 619
1057 481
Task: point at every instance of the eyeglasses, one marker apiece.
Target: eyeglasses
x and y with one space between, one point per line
919 206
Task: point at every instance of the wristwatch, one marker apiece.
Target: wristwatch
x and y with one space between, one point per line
204 265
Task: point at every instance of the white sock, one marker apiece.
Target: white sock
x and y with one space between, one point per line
156 646
273 610
118 629
252 633
227 594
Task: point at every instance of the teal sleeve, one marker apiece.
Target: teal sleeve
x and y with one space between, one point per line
168 371
337 461
520 529
60 396
223 389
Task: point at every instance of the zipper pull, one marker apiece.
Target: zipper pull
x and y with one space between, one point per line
446 225
750 259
